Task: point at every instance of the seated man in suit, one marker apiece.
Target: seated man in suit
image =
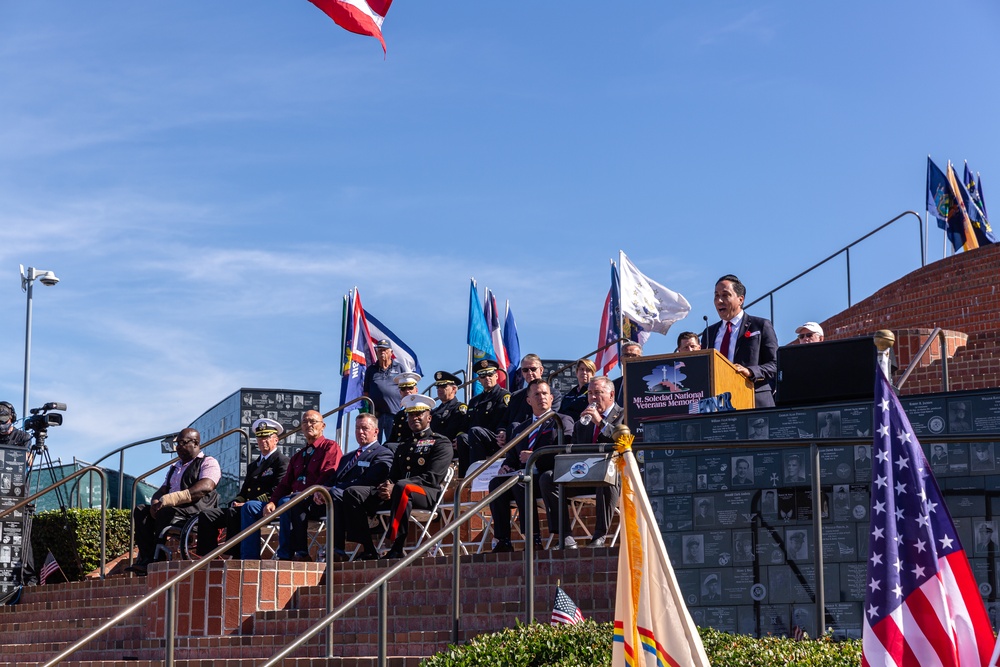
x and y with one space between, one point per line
596 424
540 401
263 473
747 341
310 465
418 469
188 490
368 466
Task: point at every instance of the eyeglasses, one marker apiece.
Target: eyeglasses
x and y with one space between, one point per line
486 374
804 336
531 370
312 421
186 441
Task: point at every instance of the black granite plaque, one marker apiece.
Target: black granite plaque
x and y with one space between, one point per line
966 505
689 582
679 473
853 581
845 619
721 618
704 511
836 465
693 550
733 509
928 416
985 413
743 579
786 505
711 586
768 468
714 472
723 428
804 617
678 513
653 477
774 619
856 421
795 467
747 620
839 542
770 546
744 548
862 463
792 425
718 547
982 458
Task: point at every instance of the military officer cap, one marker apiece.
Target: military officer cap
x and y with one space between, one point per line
487 367
383 344
408 379
417 403
263 428
442 378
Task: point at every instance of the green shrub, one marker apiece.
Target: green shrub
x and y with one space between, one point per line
74 538
588 644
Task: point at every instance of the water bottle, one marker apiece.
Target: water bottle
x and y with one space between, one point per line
586 419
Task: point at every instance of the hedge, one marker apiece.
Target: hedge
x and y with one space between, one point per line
74 539
588 644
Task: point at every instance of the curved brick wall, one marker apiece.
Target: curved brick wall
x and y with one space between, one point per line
959 294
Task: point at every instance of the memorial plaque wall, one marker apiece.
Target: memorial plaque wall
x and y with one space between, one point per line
13 488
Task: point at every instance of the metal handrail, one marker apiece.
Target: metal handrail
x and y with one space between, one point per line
371 405
456 569
845 249
380 582
169 585
64 480
121 460
135 485
559 370
937 333
464 383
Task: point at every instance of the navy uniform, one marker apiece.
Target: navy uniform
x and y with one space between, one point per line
450 418
487 416
418 469
407 384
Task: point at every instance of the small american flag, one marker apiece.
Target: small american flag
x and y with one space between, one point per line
48 567
565 610
922 604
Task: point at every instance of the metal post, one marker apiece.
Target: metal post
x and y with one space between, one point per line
818 539
168 627
383 622
121 478
848 252
529 542
330 639
30 280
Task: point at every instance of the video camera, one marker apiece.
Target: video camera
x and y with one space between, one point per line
42 418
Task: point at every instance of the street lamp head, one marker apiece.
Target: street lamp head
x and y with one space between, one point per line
48 278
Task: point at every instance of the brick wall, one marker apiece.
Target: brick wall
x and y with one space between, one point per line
959 294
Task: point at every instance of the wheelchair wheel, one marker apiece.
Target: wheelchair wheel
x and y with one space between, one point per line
189 539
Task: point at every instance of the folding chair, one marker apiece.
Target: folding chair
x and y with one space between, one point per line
421 518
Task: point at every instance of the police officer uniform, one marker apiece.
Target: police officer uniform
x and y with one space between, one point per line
400 427
418 468
450 418
487 416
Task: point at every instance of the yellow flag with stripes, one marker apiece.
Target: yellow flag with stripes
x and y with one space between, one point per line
652 624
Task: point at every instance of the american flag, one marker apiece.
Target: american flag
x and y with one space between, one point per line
48 567
922 604
565 610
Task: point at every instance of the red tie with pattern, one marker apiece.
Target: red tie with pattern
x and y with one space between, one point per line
725 340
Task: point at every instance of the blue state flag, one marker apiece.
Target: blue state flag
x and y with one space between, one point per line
479 334
980 226
974 183
513 345
939 201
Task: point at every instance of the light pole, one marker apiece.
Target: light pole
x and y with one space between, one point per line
27 280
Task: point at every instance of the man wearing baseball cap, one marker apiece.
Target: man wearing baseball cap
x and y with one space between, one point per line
418 468
379 385
810 332
263 474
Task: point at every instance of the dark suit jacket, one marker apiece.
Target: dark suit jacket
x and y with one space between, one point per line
262 478
370 470
584 433
546 437
757 350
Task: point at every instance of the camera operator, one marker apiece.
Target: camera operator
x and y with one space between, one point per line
15 437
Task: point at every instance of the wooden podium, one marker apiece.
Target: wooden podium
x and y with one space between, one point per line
664 386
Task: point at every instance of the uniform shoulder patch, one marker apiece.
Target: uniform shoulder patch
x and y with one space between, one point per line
463 408
506 399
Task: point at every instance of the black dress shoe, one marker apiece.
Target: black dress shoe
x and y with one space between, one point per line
503 547
393 554
369 555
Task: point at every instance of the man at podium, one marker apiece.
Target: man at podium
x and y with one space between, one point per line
747 341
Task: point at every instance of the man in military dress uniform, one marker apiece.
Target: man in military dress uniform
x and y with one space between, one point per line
407 384
451 416
487 416
418 469
263 474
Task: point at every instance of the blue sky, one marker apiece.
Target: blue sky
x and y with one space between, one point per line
208 179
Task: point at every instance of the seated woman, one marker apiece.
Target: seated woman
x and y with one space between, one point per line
574 401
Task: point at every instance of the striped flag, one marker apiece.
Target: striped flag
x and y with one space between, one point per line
362 17
922 603
48 568
492 316
653 627
401 352
565 611
611 329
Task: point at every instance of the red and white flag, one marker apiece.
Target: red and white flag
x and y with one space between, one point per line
363 17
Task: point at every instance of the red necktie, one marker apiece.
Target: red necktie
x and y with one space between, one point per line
725 339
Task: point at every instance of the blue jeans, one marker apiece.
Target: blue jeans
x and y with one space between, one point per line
252 511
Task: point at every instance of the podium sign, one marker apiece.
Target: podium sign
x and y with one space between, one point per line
666 385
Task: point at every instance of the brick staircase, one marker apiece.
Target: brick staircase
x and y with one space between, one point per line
242 612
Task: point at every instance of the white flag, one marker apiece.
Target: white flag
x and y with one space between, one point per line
647 302
652 623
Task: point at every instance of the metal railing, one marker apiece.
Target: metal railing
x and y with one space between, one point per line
936 334
573 364
169 586
121 462
457 510
845 250
64 480
460 371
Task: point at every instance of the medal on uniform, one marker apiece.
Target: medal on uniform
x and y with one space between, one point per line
420 461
